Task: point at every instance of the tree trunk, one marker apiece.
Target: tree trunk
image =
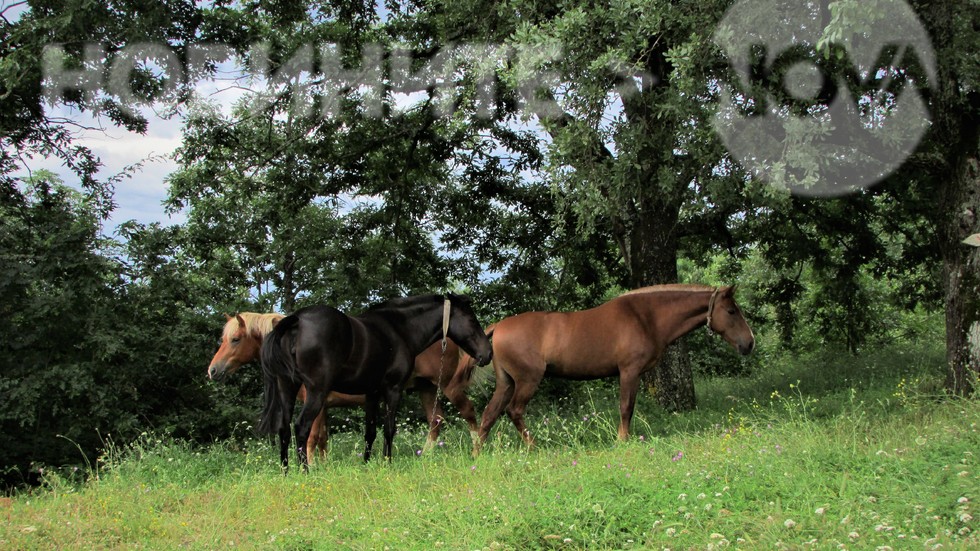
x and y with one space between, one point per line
288 287
956 137
961 272
652 261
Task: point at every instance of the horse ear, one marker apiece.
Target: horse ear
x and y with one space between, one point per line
227 317
730 292
241 322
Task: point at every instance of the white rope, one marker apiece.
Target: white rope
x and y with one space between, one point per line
446 307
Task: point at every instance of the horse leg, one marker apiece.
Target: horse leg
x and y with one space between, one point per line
371 405
629 382
456 393
287 396
392 398
317 443
523 392
311 409
501 396
433 412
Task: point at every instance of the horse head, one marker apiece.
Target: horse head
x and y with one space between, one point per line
237 348
466 331
725 318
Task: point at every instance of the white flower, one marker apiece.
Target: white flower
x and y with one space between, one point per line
820 510
790 523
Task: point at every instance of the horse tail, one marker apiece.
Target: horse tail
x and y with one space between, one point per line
469 362
277 363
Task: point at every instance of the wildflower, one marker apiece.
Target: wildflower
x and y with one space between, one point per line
418 452
820 510
574 462
854 535
473 468
963 499
790 523
677 457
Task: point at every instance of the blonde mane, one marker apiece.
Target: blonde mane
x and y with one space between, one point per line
255 324
686 287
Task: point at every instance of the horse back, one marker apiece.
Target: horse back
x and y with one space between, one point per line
583 344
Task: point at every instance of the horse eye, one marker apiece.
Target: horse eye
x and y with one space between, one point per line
731 311
235 340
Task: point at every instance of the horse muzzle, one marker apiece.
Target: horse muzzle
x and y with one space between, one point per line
217 372
747 347
484 359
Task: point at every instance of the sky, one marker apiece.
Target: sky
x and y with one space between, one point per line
140 197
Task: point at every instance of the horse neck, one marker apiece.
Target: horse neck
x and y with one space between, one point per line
673 314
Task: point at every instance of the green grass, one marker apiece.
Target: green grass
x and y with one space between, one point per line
820 451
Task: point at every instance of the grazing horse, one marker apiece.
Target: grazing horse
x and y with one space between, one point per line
241 340
371 354
626 336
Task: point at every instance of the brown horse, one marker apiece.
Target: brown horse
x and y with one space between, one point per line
241 341
626 336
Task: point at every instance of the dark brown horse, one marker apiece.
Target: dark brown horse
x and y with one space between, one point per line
241 340
372 354
626 336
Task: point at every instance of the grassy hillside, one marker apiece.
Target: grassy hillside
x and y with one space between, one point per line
820 451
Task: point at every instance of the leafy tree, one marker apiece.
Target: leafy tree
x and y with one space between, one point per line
59 289
48 48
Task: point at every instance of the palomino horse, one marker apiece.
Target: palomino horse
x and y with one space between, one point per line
626 336
372 354
241 340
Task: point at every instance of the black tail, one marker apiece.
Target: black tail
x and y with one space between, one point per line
277 363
